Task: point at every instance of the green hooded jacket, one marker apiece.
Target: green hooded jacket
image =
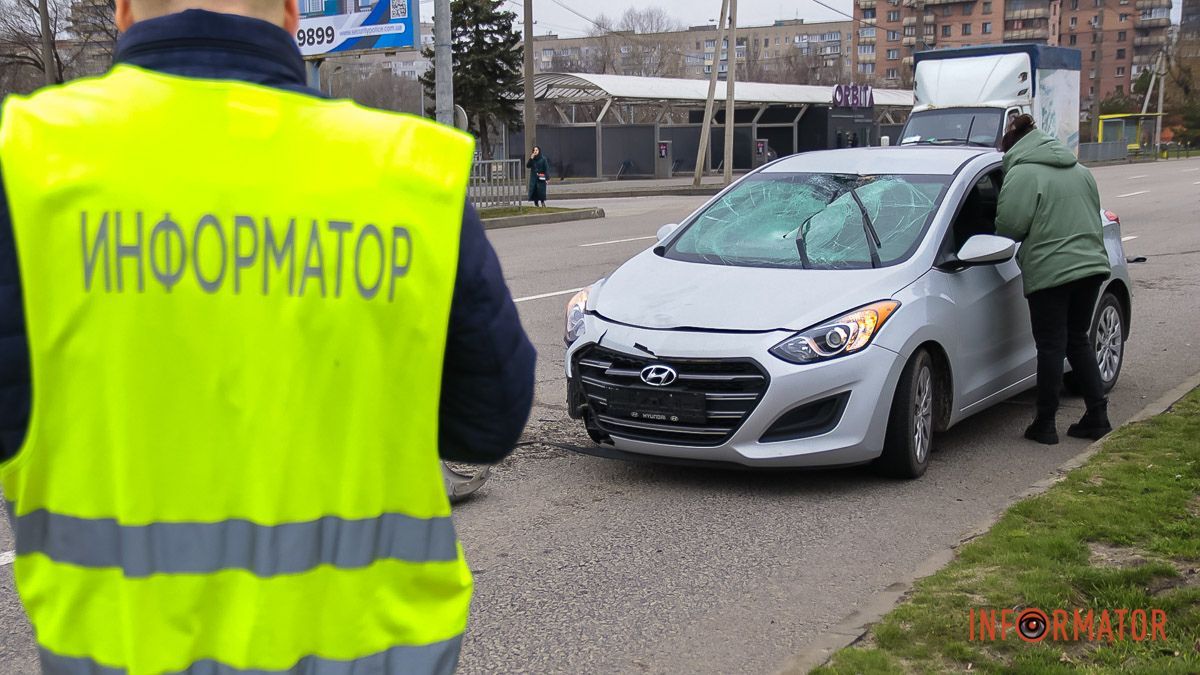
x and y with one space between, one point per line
1049 202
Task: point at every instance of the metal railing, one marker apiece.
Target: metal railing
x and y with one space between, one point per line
497 182
1103 152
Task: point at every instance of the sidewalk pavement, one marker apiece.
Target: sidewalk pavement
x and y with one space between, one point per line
634 187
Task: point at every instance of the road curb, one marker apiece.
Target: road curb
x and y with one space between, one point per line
854 627
542 218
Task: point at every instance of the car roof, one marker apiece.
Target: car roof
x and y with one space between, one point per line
924 160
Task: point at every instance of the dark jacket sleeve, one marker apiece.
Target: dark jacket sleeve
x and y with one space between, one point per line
488 376
14 349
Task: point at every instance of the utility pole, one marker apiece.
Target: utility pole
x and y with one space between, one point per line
530 109
48 61
443 59
730 102
706 129
1162 80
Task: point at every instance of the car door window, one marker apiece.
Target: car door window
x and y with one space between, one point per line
978 212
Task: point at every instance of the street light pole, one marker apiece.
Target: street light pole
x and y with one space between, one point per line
530 109
706 128
443 59
730 103
48 65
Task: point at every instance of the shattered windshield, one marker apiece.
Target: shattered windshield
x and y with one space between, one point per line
812 221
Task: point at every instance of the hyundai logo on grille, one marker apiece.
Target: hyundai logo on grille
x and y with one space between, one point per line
659 376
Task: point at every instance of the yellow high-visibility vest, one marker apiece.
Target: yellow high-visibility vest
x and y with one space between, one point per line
236 299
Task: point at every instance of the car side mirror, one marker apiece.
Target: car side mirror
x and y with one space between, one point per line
665 231
986 249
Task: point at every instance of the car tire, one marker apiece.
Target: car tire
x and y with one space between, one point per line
909 438
1107 337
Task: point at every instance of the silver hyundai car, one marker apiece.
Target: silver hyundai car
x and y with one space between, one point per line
829 309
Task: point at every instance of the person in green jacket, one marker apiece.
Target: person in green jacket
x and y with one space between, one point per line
1050 203
539 176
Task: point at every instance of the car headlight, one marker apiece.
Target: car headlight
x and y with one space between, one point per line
576 311
847 334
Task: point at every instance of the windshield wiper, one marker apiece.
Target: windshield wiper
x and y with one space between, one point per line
873 241
801 244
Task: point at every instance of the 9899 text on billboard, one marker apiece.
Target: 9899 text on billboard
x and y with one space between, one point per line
354 25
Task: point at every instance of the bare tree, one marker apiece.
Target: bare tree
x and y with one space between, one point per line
83 35
603 57
94 23
647 21
644 49
376 87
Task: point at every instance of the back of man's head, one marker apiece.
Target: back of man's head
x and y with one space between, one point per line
282 13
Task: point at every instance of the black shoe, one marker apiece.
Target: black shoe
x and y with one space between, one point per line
1043 431
1093 426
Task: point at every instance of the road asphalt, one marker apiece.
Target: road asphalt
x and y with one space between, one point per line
585 565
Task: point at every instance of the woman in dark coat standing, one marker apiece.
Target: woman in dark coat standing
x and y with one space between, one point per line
539 175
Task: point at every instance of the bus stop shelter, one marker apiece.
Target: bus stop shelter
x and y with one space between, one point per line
621 126
1134 131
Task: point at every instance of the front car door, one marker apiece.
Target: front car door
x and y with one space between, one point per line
995 355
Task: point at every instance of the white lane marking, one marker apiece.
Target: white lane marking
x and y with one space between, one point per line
548 295
617 241
1129 238
1134 177
1191 170
7 557
1133 194
1196 183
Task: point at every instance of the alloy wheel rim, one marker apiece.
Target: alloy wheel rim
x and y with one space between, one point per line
923 415
1109 344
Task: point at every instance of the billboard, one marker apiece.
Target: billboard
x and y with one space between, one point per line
331 26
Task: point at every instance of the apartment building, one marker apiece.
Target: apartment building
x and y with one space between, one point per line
1118 39
1189 23
1189 35
785 51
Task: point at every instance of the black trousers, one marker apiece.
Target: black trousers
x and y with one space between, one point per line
1061 318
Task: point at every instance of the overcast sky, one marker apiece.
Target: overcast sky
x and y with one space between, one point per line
552 17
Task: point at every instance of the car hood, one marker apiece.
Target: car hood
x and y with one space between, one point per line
650 291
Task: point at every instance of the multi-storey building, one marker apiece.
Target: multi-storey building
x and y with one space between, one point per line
1118 39
1189 22
1188 51
785 51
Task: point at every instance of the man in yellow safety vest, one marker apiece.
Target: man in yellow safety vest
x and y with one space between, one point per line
239 322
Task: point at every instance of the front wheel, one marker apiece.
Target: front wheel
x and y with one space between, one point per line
909 438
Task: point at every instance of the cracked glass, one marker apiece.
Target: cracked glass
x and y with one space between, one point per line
812 221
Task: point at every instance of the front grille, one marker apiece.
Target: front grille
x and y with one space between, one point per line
731 387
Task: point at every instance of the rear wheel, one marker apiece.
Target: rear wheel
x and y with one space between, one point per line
909 438
1108 340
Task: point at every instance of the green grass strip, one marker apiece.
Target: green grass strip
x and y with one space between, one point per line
1121 532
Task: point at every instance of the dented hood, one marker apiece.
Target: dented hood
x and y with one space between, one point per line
650 291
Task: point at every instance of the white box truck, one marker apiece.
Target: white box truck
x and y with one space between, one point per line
965 96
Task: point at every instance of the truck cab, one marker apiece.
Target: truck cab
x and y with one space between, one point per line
965 96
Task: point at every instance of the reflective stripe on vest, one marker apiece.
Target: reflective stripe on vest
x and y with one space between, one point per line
236 301
199 548
439 658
